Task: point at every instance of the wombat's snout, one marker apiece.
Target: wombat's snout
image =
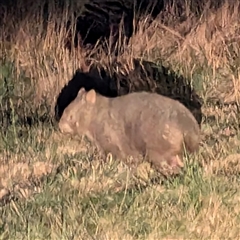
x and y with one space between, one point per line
64 127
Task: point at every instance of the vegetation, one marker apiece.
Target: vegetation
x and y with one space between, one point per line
56 187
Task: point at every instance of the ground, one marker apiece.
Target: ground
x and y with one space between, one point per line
54 187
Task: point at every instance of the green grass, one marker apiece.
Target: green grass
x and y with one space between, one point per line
87 198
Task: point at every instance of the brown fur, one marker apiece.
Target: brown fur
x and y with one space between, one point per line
142 123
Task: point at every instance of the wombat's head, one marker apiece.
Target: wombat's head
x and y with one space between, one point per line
77 115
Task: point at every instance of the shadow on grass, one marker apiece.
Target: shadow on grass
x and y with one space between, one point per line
146 76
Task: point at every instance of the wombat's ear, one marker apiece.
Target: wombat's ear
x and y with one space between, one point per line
81 92
91 96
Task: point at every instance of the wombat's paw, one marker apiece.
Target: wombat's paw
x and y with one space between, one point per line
176 161
170 166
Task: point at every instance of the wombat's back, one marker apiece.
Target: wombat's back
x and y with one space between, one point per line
151 105
151 112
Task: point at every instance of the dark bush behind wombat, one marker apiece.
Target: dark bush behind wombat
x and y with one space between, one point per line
139 123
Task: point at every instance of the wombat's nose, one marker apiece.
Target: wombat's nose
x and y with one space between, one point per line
64 127
60 127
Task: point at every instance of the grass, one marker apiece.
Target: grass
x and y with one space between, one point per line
54 187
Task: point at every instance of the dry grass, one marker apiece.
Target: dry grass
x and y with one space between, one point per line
54 187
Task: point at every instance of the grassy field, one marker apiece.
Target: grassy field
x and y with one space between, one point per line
55 187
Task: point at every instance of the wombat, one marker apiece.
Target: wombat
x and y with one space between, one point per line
137 124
